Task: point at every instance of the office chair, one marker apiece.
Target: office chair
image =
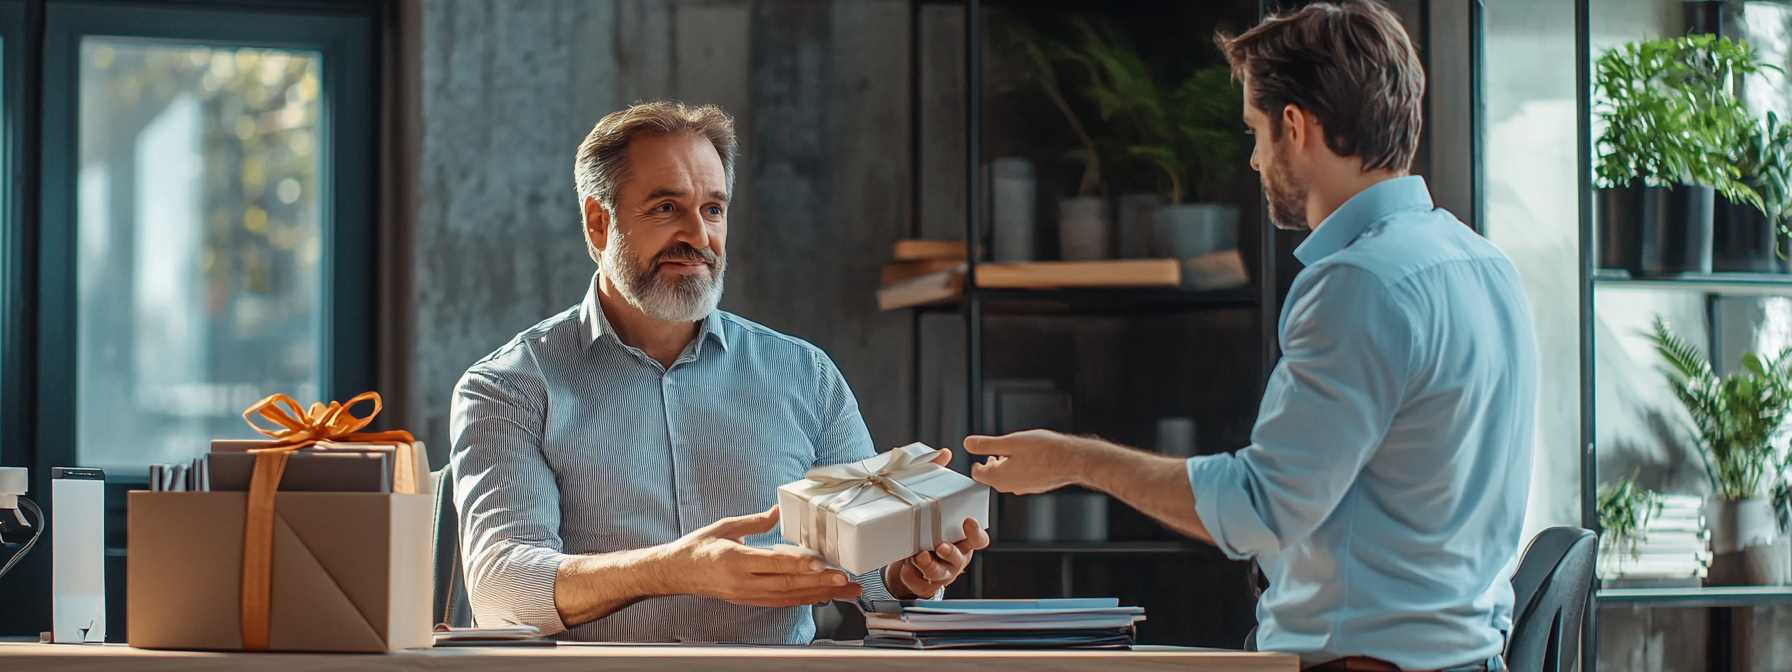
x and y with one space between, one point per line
451 587
1551 590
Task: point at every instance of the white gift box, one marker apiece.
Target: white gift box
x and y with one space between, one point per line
867 514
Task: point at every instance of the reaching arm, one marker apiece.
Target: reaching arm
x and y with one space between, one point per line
1346 357
1040 461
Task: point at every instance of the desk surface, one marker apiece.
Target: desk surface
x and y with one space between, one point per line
628 658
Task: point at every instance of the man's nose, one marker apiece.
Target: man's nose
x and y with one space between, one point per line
1255 165
691 231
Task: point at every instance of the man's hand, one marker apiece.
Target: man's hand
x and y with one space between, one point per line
711 561
928 571
1040 461
1032 461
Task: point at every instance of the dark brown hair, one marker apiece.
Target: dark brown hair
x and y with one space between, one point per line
1350 65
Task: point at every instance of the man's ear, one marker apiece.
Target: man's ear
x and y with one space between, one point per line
1294 126
597 225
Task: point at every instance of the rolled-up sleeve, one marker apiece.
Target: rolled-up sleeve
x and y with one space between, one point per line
1346 355
508 499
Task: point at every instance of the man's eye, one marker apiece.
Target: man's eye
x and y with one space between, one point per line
715 210
665 207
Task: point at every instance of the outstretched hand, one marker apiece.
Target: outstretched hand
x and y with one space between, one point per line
712 561
1029 462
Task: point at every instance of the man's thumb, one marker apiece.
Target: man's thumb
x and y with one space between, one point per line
751 524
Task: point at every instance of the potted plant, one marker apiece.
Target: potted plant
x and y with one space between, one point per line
1745 236
1624 510
1082 219
1671 121
1734 420
1186 131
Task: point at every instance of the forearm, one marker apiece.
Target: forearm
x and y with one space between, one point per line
1154 484
590 587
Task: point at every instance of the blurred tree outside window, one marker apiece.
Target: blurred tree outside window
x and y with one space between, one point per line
199 243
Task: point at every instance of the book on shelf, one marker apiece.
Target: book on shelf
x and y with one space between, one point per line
1219 270
936 287
900 271
915 249
1079 274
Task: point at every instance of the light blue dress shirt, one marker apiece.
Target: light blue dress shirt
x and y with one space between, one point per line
567 441
1384 489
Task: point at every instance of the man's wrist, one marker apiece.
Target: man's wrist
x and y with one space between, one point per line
1087 460
656 572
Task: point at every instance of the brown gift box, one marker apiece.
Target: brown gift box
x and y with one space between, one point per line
351 571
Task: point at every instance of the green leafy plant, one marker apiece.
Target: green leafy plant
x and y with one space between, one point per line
1734 417
1623 511
1186 130
1042 55
1189 130
1671 114
1763 160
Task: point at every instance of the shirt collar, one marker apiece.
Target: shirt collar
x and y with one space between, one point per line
595 324
1367 207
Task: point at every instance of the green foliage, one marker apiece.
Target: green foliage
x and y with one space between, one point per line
1623 511
1734 417
1042 56
1763 160
1187 130
1671 114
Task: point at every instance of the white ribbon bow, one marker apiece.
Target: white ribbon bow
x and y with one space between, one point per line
837 487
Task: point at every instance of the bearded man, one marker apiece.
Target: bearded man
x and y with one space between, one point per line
616 466
1384 489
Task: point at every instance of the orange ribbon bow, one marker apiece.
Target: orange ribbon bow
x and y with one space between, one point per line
300 430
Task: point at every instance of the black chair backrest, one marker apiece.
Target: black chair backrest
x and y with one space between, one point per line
451 591
1551 590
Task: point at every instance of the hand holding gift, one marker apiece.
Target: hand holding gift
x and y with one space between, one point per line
711 561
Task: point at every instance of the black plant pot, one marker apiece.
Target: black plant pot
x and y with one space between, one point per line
1621 227
1677 229
1742 239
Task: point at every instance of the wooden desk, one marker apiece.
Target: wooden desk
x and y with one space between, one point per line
626 658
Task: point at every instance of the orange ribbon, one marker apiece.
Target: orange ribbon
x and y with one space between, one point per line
299 430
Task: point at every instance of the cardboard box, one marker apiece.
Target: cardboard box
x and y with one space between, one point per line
351 571
876 528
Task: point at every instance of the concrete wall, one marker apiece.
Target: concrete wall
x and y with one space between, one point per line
507 90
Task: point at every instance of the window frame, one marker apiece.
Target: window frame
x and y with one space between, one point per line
41 43
348 138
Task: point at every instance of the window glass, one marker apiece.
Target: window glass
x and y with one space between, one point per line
199 243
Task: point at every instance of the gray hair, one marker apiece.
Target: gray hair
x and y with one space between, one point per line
601 166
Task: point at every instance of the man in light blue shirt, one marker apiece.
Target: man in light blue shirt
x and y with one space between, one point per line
1384 489
616 466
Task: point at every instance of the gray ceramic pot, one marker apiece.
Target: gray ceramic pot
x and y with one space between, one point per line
1193 229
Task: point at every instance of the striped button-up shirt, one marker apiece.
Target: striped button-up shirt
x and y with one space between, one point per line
568 441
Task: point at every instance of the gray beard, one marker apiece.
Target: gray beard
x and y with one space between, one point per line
688 299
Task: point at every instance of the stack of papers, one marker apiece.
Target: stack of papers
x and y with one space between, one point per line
521 635
1672 548
1071 623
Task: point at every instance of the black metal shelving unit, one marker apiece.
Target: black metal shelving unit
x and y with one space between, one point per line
1593 279
977 303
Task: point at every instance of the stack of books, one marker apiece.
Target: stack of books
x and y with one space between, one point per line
925 272
931 272
1070 623
1673 548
